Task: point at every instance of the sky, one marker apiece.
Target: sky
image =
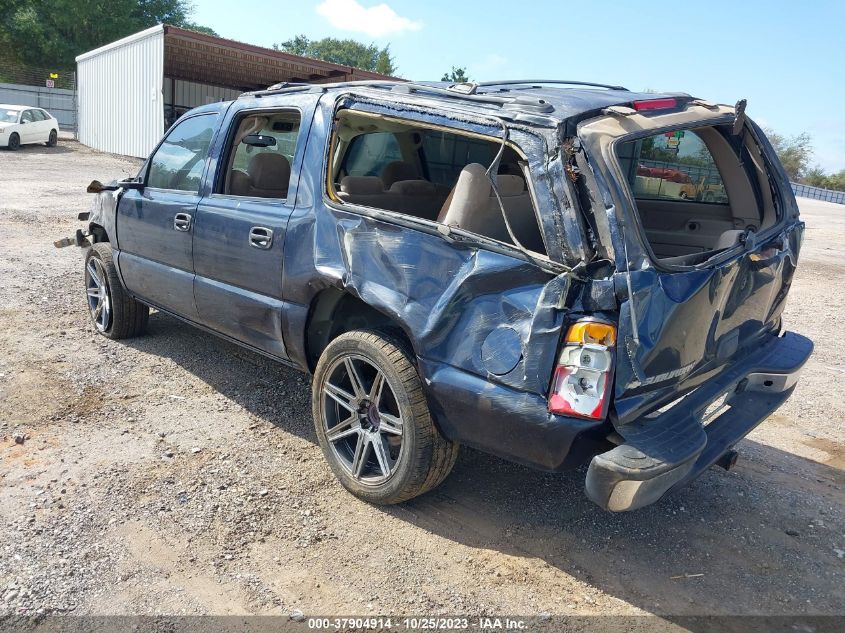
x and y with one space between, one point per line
786 58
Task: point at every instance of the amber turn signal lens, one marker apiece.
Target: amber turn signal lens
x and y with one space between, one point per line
592 332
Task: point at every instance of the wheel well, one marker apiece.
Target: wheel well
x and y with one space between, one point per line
334 312
98 233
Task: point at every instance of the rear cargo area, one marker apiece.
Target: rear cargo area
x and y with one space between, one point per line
697 190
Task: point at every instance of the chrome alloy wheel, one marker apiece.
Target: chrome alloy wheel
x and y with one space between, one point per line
99 298
362 420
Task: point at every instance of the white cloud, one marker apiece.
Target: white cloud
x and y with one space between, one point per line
375 21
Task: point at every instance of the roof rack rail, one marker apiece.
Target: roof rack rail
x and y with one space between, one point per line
472 87
407 87
284 86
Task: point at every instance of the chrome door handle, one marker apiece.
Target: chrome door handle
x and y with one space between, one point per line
261 237
182 222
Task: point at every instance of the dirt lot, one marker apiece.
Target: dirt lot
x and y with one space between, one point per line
179 474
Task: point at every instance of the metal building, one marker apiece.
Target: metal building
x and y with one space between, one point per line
129 91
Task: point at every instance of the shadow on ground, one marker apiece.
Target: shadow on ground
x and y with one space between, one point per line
716 547
40 148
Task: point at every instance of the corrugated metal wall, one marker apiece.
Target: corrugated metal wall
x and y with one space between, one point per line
121 105
190 95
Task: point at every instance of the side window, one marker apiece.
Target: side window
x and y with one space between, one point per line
179 161
260 155
445 181
37 115
672 166
369 154
446 154
26 117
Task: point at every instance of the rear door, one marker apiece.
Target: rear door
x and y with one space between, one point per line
239 235
155 225
681 324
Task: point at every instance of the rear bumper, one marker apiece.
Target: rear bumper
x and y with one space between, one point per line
666 451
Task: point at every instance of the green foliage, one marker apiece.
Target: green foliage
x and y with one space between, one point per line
817 177
457 75
346 52
52 33
794 153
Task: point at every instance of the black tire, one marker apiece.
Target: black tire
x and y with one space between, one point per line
425 458
14 141
54 138
120 316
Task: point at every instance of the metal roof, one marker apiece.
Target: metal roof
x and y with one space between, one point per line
218 61
540 100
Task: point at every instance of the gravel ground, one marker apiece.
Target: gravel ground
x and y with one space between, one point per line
179 474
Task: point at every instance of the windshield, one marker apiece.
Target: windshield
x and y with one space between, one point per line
8 116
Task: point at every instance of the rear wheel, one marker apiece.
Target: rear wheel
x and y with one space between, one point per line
372 420
14 141
54 138
115 314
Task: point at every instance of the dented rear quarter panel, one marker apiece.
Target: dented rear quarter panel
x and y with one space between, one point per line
484 325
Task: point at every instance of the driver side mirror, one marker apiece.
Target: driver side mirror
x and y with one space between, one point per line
259 140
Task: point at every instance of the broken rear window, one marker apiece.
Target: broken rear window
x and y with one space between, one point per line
692 194
433 174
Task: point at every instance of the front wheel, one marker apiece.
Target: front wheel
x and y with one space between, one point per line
373 422
53 139
115 314
14 141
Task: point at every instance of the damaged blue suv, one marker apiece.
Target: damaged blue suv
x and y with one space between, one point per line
554 272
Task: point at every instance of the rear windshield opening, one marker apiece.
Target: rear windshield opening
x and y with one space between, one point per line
433 174
693 193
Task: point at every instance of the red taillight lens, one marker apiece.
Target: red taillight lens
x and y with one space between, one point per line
581 383
655 104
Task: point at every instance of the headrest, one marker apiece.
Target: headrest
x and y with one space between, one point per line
361 185
398 170
509 185
269 170
471 191
414 188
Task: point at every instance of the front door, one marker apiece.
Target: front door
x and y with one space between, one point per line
239 233
28 128
155 225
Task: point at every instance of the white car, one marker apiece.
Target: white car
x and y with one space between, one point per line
21 125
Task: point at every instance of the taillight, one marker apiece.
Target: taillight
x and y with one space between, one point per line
581 383
655 104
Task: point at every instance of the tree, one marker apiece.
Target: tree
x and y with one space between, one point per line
794 152
818 177
458 75
52 33
347 52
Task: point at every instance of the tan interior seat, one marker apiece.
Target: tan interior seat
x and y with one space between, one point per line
473 206
396 171
269 175
468 203
239 184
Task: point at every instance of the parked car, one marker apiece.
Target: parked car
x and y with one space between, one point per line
470 264
664 173
22 125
